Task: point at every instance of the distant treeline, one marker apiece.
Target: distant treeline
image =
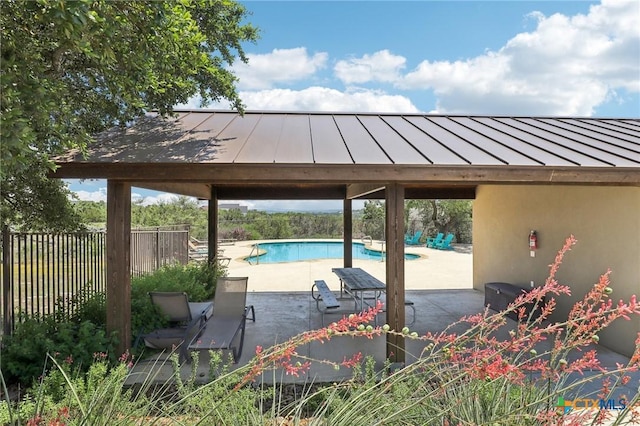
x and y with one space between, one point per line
430 216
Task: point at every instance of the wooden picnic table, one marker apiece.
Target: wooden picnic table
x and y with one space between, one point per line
360 285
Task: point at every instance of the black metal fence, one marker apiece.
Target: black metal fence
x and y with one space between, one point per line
41 273
152 249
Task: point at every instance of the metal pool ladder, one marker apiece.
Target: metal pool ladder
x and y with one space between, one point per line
255 248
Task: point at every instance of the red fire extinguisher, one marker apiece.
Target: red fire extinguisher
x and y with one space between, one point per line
533 240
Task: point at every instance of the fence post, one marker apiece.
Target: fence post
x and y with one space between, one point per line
158 257
7 294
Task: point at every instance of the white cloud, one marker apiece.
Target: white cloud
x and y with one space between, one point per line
299 205
567 66
326 99
99 195
280 66
261 205
159 198
381 66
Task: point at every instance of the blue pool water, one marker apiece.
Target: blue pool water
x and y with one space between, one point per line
295 251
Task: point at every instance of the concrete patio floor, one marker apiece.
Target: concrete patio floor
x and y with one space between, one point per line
282 315
439 284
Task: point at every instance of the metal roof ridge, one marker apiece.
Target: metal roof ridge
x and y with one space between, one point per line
396 113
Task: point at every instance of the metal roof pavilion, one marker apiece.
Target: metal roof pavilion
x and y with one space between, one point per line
317 155
328 150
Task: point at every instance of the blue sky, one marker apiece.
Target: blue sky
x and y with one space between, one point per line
554 58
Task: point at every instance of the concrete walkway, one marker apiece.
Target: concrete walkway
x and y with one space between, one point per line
439 284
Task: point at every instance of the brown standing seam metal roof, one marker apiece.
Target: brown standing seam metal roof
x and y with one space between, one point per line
410 148
305 138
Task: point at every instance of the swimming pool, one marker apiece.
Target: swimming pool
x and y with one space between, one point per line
296 251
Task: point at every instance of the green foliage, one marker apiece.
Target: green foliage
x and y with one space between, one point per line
63 78
317 225
182 211
431 216
446 216
92 212
373 219
24 356
198 280
99 397
77 330
84 306
66 393
232 223
270 226
456 217
29 201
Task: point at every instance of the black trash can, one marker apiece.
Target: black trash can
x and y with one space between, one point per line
497 296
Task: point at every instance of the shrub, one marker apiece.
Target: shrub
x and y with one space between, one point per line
78 328
97 395
87 305
198 280
25 351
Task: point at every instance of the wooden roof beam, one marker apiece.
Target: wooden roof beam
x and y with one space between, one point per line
199 190
256 174
361 190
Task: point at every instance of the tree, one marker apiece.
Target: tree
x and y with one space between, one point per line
269 226
70 69
457 218
91 212
373 218
445 216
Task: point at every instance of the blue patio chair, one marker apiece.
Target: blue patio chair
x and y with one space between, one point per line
445 244
413 241
432 241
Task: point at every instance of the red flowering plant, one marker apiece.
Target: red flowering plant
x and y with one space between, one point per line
540 357
287 357
471 373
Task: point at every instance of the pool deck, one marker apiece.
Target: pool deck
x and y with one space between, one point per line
439 284
436 269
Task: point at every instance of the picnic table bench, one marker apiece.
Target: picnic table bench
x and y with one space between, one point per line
321 292
326 296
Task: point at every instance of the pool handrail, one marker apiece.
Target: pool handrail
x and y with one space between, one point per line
255 247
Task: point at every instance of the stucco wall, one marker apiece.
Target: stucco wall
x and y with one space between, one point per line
604 220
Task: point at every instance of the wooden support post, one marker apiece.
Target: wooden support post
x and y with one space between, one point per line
7 282
347 212
394 204
119 263
212 227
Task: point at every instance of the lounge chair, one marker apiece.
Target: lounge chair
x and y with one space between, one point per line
225 329
445 244
413 240
432 241
186 320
